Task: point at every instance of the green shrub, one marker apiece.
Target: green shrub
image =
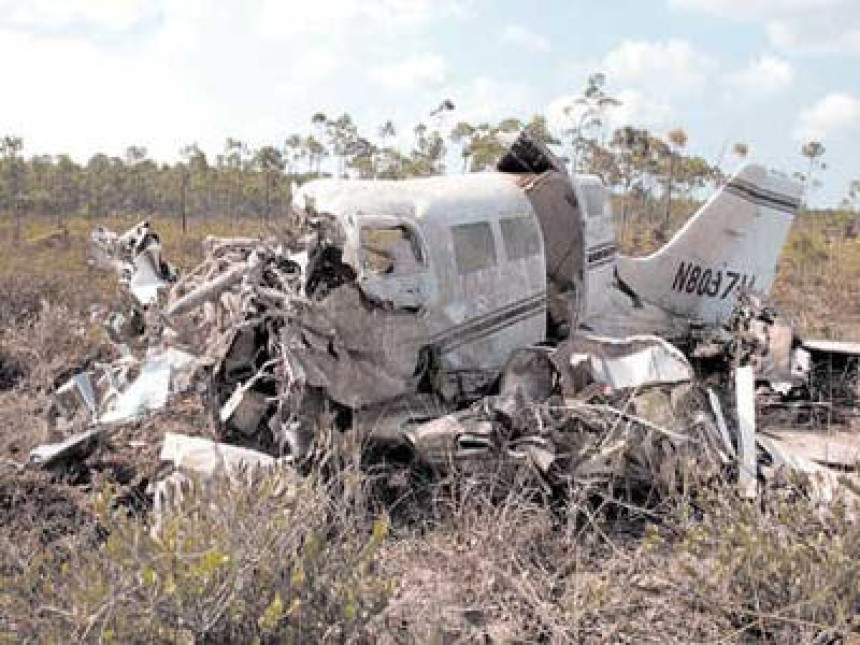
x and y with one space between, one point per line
266 562
788 572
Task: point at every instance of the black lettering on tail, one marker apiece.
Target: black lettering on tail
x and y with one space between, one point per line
681 276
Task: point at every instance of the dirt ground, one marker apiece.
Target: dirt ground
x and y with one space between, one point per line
467 580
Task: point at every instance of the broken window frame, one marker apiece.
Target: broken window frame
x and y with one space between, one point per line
413 236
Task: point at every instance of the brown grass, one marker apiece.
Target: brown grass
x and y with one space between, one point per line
276 562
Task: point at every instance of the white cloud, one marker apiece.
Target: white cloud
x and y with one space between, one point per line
99 75
331 18
417 71
112 15
816 26
648 78
837 113
526 39
672 67
763 76
484 98
70 97
637 109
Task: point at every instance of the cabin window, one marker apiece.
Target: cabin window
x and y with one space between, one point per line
595 201
474 248
390 250
521 238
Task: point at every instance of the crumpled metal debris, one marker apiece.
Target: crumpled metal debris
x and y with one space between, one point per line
572 442
122 391
620 363
197 460
281 339
78 446
206 457
136 257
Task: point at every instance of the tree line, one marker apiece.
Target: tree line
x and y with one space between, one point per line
648 173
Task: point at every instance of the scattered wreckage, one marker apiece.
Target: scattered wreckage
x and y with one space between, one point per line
467 324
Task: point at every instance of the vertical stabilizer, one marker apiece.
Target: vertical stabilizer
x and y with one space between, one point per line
733 242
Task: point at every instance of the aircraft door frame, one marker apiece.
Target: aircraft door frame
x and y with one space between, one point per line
402 286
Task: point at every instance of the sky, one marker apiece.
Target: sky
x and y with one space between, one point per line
86 76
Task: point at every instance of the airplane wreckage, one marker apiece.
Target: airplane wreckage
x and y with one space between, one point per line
470 321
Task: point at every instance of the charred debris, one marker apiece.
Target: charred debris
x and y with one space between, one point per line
288 349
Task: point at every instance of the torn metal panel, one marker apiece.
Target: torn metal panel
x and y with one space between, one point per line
828 447
77 390
136 257
448 439
561 221
825 484
75 448
148 276
198 460
634 361
207 458
150 390
722 426
88 394
360 355
529 155
832 347
745 398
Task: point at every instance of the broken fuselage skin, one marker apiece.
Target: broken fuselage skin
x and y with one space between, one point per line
489 263
470 258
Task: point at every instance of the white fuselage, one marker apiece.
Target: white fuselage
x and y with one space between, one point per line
478 279
484 261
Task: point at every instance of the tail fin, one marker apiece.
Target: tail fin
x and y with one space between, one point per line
732 242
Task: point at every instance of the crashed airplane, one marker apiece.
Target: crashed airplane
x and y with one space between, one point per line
392 306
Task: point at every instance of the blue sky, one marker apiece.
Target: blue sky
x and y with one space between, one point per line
82 76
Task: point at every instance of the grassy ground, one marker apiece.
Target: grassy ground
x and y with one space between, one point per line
332 562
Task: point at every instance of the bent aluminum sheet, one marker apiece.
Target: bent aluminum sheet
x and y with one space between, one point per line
634 361
78 446
146 280
205 457
149 391
832 347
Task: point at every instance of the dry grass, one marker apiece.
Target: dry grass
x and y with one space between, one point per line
819 278
277 562
286 562
272 561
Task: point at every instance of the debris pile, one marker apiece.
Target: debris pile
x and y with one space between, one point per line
283 342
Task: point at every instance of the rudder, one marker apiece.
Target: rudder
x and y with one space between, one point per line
732 242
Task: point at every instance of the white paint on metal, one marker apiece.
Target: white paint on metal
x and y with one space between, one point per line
635 361
205 457
745 395
832 347
717 409
146 281
735 239
598 234
477 319
149 391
